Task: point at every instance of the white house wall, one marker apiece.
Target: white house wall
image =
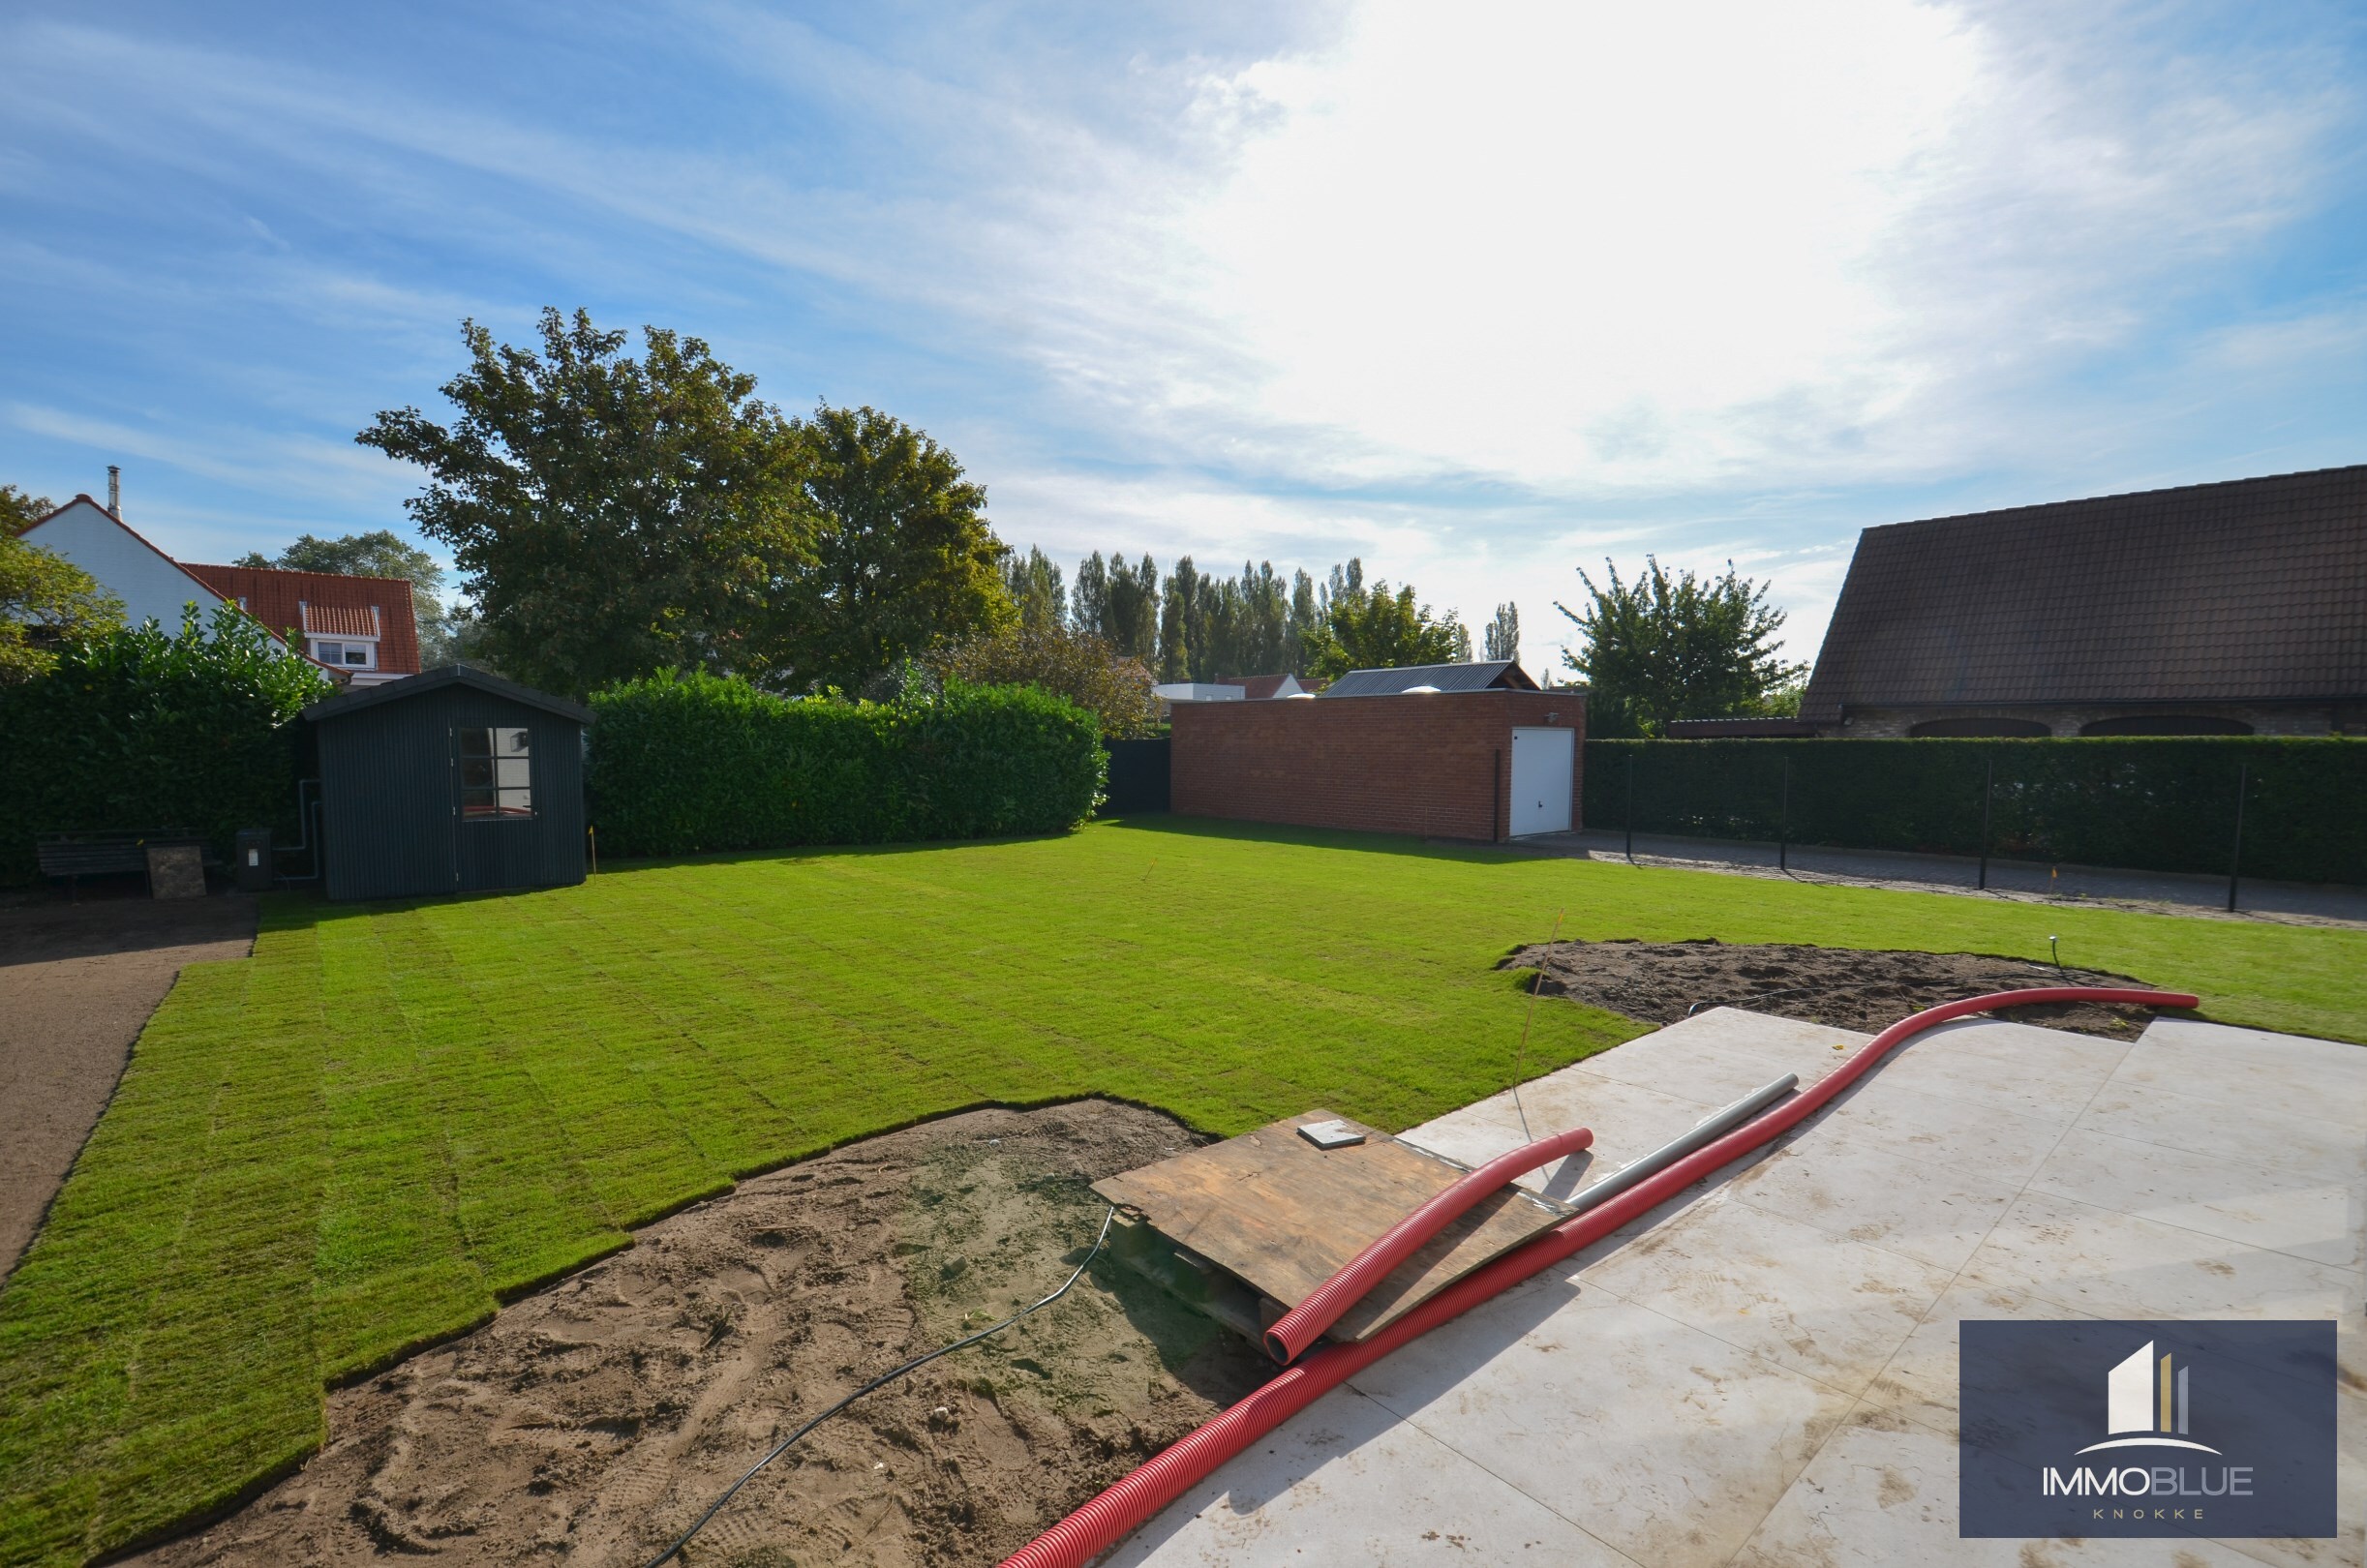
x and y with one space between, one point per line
150 585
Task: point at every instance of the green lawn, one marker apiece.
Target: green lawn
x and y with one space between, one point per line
393 1116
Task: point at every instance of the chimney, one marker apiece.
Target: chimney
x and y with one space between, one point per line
114 492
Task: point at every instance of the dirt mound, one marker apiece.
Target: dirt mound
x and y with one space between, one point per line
1660 981
593 1421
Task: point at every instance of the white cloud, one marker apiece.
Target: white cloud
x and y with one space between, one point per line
1678 246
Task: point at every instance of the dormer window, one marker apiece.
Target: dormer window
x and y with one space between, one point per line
346 655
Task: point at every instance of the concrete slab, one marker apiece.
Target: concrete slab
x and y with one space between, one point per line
1764 1371
1348 1481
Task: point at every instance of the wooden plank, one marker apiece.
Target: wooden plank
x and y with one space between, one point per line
1286 1216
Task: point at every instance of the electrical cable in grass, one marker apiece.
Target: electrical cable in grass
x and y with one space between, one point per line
1520 1057
882 1380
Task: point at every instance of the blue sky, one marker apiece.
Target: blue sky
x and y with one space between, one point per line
1482 293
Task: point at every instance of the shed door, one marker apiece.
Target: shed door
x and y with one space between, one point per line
1543 761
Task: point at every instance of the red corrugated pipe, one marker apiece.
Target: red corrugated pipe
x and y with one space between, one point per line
1304 1324
1110 1516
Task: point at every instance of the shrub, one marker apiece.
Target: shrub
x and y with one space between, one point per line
1079 666
687 762
134 727
2154 804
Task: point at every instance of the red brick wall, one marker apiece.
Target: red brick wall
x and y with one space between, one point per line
1425 763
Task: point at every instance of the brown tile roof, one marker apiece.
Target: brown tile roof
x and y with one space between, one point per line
2247 590
293 603
1258 688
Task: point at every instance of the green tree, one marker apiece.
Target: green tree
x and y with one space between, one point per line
380 553
611 516
1504 633
902 560
1035 590
1120 604
45 600
1375 629
20 509
1668 647
1076 665
1300 626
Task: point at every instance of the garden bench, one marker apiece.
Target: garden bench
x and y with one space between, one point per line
76 856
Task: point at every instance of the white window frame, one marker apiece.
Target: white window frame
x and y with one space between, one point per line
368 645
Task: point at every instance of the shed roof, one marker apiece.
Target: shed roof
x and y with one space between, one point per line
450 674
2251 590
1496 673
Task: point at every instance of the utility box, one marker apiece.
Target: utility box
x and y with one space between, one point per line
251 858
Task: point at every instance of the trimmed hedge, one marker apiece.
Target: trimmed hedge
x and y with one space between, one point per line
141 728
691 763
2153 804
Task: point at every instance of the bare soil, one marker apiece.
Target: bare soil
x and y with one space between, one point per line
1660 982
591 1422
78 983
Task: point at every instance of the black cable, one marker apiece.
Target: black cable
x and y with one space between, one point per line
683 1540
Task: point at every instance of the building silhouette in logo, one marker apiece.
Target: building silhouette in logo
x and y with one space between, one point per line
2146 1398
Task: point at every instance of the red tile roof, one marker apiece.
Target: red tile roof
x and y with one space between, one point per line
2255 589
1258 688
322 604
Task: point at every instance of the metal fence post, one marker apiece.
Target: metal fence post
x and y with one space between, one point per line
2236 859
1783 818
1989 783
1630 807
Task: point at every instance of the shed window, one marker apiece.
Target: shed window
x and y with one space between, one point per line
496 774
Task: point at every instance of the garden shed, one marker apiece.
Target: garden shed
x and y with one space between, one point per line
452 781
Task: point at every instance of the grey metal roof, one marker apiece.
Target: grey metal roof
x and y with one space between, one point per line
2248 590
450 674
1493 674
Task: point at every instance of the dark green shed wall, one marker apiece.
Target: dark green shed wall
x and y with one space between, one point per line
390 800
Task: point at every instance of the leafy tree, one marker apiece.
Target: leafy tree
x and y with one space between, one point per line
20 509
1304 618
378 553
1503 633
1376 629
1667 648
1035 587
900 561
1179 623
1076 665
611 516
44 600
1130 609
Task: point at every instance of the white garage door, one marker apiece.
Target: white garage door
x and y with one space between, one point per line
1542 763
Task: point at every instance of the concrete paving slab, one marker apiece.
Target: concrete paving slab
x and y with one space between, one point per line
2258 1136
1348 1481
1858 1186
2280 1209
1568 1395
2249 1067
1829 1308
1764 1369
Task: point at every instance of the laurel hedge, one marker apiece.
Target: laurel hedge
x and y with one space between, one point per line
137 729
682 764
2149 803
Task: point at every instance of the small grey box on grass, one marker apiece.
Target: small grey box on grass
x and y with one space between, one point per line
1330 1134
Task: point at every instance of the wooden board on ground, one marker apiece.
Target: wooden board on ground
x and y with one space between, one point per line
1286 1216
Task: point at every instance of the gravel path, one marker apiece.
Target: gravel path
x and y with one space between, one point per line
78 983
